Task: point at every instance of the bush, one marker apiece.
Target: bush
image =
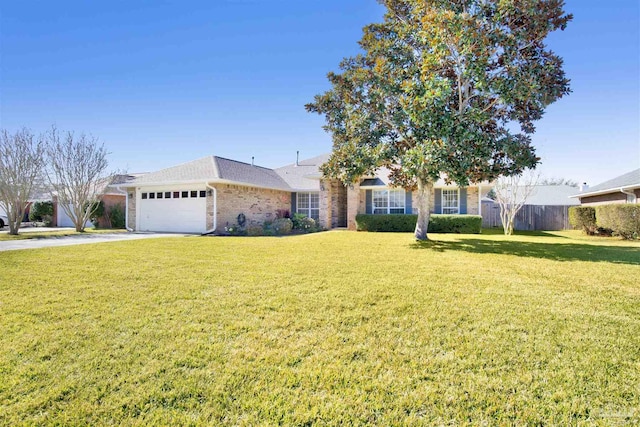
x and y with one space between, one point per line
42 212
282 226
255 230
466 224
116 216
622 220
583 217
303 223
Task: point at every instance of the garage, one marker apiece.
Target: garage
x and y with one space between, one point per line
172 209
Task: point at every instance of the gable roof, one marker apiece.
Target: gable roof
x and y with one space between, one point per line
303 175
211 169
629 180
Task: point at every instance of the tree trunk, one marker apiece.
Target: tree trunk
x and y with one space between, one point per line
424 209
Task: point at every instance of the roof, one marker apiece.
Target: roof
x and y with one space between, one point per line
213 168
629 180
552 195
303 175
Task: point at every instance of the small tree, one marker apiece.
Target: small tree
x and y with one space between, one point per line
21 162
77 174
511 193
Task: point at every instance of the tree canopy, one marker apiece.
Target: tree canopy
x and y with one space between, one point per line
444 88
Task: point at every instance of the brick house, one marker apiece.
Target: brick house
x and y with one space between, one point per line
622 189
208 194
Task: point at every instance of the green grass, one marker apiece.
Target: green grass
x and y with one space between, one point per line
25 235
336 328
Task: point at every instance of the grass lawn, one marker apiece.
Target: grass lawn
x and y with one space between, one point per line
336 328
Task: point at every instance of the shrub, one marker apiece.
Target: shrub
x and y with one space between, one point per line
623 220
235 230
97 213
282 226
255 230
42 212
303 223
116 216
583 217
467 224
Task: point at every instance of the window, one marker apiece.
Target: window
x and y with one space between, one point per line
185 194
144 195
159 195
152 195
451 201
194 194
167 194
176 194
203 193
388 201
309 205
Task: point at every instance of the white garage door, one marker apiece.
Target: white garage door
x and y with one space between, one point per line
65 220
181 210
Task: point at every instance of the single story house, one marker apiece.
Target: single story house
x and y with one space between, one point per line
208 194
622 189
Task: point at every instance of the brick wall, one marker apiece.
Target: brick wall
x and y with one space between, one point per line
603 199
258 205
110 201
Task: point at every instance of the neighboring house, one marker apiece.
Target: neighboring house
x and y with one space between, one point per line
546 208
622 189
111 197
207 195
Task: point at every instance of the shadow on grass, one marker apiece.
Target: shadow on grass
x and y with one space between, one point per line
552 251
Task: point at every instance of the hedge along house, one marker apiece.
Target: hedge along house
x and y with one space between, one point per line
209 194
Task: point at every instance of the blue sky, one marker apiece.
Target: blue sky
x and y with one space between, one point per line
166 82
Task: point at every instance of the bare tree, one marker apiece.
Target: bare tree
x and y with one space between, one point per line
77 173
511 193
21 162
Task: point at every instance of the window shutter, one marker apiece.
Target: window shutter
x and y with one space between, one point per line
463 200
369 201
294 203
408 203
438 201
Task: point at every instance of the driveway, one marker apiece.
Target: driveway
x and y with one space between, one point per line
9 245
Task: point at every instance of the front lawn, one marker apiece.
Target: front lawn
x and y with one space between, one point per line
336 328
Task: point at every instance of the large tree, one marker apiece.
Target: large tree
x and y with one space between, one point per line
21 162
444 88
77 172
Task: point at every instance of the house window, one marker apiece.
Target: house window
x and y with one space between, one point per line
388 201
451 201
309 204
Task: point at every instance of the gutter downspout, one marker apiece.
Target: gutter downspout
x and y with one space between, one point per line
126 209
629 193
215 215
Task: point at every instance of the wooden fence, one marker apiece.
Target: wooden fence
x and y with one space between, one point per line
529 217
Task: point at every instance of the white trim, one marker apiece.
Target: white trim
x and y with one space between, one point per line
187 182
442 206
389 207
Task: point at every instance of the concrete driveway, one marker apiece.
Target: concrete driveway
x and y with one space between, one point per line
81 239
